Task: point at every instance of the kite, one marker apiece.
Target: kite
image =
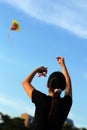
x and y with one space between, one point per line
14 27
42 73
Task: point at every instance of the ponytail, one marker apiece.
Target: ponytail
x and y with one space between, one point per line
56 84
54 104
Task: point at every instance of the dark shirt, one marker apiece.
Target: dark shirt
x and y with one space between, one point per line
43 104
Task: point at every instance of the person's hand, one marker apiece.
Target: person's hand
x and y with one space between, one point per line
42 71
60 60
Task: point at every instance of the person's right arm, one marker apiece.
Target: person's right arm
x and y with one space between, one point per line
68 89
27 82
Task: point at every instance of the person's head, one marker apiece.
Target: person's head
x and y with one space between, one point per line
56 81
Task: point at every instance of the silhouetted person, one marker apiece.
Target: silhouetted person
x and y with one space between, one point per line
51 110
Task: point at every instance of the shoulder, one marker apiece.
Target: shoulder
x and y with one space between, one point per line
68 96
37 93
67 99
66 103
38 96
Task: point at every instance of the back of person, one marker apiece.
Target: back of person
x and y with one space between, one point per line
56 122
50 110
43 104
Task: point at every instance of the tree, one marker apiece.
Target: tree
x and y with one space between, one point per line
11 124
8 123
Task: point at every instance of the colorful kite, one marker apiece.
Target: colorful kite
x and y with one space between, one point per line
14 27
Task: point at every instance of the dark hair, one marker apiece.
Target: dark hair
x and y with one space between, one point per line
55 81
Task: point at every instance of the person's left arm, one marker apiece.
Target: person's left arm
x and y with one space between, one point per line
27 81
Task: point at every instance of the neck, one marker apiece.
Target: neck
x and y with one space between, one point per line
51 94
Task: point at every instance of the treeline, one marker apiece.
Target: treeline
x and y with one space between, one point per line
8 123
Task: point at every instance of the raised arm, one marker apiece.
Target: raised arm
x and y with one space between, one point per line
27 81
68 90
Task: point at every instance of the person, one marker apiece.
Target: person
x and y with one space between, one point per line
51 110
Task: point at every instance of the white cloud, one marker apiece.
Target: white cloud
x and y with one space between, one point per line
15 105
69 14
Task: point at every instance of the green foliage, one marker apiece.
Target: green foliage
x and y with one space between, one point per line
11 124
69 125
6 123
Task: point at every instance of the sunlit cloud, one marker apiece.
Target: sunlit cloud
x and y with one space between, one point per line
7 60
18 105
69 14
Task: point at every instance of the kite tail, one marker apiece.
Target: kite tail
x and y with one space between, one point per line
9 39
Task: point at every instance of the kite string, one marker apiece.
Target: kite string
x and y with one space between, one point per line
9 39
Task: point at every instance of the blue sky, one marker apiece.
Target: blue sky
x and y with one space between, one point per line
48 29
